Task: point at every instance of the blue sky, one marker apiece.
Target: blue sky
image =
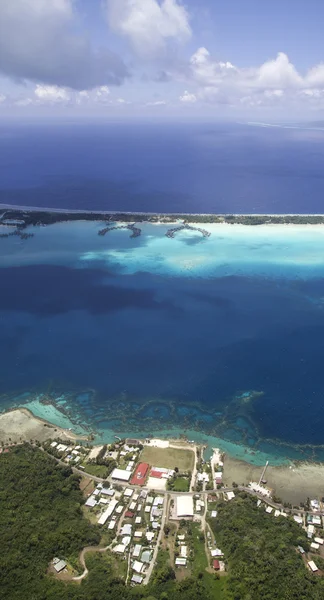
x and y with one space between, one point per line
251 59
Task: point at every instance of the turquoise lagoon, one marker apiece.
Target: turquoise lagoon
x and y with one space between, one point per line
217 338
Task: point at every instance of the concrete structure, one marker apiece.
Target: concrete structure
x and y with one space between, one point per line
120 549
91 501
108 512
181 562
146 556
184 506
298 519
126 529
107 491
259 489
137 550
121 474
137 579
314 546
126 540
59 565
128 492
203 477
312 566
230 495
138 566
217 552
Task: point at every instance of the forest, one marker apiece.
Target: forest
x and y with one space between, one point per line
41 517
261 554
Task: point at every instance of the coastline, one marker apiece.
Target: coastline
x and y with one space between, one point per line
291 482
36 216
20 424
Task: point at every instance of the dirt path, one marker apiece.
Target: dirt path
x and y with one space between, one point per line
96 549
194 471
157 545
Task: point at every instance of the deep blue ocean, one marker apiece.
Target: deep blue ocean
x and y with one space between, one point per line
229 168
223 335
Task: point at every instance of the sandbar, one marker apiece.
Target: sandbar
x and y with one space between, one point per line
19 425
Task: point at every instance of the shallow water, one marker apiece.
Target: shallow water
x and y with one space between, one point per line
218 338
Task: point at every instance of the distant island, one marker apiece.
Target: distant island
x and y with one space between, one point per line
21 218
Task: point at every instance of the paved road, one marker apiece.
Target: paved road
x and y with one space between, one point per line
241 488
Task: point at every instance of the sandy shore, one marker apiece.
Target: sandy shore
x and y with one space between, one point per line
20 424
293 483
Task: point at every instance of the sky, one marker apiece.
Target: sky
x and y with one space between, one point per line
197 59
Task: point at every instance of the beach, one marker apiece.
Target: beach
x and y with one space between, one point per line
21 425
292 483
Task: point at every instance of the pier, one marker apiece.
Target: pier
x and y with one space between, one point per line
171 232
136 231
262 480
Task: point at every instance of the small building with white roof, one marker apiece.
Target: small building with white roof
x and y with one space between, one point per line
184 506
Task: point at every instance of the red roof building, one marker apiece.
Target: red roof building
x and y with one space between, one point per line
140 474
216 565
129 514
157 474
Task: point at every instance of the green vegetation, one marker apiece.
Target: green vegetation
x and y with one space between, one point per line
178 484
198 586
41 517
260 552
96 470
197 542
48 218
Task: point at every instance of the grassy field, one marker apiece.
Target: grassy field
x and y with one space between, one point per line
96 470
181 484
169 458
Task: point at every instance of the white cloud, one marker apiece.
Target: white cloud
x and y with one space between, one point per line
207 71
274 83
2 98
51 94
277 73
149 24
315 76
40 41
188 98
156 103
24 102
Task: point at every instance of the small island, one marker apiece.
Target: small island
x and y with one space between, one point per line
21 218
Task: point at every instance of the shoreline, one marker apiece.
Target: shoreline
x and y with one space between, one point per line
24 216
292 482
19 424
